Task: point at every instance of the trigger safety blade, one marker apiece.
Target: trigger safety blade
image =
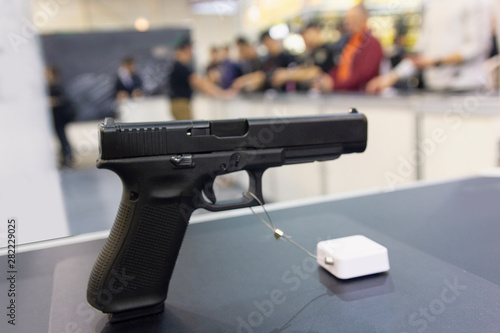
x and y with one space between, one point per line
208 189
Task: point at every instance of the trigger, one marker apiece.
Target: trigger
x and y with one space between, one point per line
208 189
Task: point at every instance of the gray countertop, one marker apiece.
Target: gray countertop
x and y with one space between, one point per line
232 276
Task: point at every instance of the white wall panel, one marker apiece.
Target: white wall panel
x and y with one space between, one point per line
28 176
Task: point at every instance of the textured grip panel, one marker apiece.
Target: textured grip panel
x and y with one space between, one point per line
110 249
150 247
134 268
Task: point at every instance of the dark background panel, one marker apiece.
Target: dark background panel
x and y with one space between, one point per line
88 63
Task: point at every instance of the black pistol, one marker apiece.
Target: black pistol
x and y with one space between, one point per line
168 169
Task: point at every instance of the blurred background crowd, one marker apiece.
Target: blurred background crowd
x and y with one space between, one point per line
447 46
424 72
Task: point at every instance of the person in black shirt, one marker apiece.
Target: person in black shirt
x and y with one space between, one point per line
318 53
249 59
319 58
182 81
128 83
179 80
260 80
62 113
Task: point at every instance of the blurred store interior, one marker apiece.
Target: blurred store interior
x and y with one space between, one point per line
428 84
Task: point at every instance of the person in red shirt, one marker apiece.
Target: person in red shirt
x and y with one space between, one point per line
360 59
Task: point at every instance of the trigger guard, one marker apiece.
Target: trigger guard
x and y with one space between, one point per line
255 177
227 205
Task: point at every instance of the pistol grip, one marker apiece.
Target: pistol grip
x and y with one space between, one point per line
134 268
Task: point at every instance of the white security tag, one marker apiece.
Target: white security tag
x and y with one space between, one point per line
353 256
